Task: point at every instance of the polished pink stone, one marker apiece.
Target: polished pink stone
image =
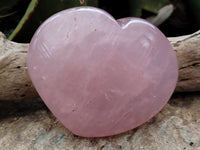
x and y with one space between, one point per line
99 76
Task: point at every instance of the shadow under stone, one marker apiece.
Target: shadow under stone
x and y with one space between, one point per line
183 99
17 108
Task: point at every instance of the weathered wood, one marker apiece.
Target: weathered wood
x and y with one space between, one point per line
14 79
16 84
188 54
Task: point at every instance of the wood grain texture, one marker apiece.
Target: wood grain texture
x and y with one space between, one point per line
14 79
16 84
187 49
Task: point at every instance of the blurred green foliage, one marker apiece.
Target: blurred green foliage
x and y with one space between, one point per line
39 10
154 5
136 6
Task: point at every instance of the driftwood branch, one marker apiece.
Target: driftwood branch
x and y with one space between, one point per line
16 84
14 79
187 50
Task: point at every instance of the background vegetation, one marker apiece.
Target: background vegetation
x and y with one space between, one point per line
20 18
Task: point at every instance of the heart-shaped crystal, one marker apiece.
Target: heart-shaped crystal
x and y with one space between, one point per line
100 76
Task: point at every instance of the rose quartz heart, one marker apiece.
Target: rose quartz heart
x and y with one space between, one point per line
99 76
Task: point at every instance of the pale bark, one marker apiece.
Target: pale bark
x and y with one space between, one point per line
187 50
16 84
14 79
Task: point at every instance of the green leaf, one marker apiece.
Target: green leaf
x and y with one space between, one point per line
40 10
154 5
30 9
